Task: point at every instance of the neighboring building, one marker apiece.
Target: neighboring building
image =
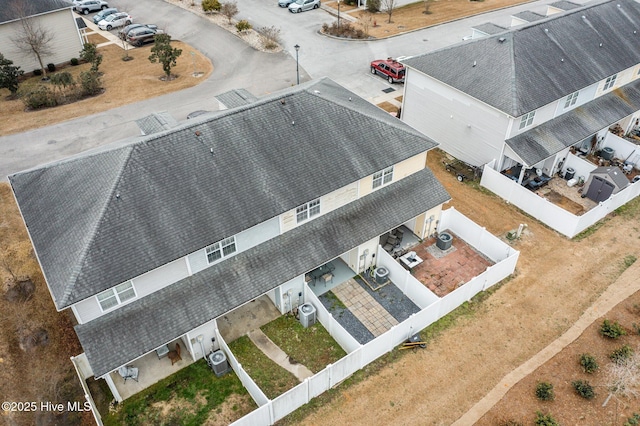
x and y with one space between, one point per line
524 97
150 242
55 16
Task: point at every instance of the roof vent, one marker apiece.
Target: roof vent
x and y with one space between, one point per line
211 151
293 122
561 59
502 39
546 30
600 44
474 63
118 195
618 6
350 96
282 101
198 133
317 92
583 17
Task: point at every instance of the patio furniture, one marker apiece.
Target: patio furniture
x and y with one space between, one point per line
410 260
128 372
322 270
174 355
327 277
162 351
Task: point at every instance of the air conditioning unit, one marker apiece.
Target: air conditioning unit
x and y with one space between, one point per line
307 315
218 362
444 241
381 275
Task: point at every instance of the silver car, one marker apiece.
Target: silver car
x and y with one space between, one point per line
300 5
103 14
87 6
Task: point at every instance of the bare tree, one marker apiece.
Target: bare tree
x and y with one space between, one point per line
229 9
387 7
31 38
623 377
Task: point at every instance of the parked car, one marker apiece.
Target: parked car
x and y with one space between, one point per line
87 6
125 30
103 14
300 5
390 68
140 36
285 3
115 20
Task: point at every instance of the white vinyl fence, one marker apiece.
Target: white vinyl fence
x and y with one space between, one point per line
83 370
432 309
548 213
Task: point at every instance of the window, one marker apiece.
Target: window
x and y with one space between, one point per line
221 249
609 82
117 295
527 119
308 210
382 177
571 100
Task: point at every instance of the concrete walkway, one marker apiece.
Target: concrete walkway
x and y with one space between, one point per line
626 285
276 354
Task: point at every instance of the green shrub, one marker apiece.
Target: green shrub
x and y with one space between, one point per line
38 96
588 363
51 67
584 389
634 420
37 72
544 391
90 83
373 6
243 25
74 61
620 355
612 330
211 6
545 420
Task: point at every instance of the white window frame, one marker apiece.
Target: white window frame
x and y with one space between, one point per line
116 293
307 210
571 100
224 248
383 177
527 120
610 82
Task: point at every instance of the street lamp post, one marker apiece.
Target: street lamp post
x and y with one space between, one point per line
297 66
338 14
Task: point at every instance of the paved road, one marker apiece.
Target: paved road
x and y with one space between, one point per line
238 66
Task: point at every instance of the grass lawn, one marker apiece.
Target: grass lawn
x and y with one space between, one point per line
313 347
192 396
269 376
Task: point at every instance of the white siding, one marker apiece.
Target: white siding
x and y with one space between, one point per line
66 42
623 78
586 95
463 126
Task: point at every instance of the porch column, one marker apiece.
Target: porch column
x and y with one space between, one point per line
521 177
112 387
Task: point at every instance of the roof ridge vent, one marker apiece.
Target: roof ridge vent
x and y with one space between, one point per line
502 39
474 63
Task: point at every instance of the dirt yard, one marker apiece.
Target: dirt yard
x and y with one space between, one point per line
124 83
556 280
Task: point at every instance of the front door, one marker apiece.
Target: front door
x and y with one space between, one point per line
600 189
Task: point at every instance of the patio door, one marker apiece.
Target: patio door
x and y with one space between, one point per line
600 189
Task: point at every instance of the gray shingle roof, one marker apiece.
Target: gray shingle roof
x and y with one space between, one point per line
236 97
489 28
32 7
532 67
565 5
529 16
104 217
567 129
135 329
156 122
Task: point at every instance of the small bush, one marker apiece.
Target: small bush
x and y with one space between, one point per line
373 6
588 363
620 355
74 61
37 72
36 97
211 6
243 25
544 391
270 37
545 420
634 420
90 83
51 67
612 330
584 389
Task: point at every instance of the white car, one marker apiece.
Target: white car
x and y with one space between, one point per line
87 6
302 5
115 20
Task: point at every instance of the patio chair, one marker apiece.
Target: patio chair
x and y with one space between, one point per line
174 355
128 372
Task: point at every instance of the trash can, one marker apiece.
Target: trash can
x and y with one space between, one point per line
569 173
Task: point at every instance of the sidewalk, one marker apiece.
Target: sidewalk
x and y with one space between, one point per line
626 285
